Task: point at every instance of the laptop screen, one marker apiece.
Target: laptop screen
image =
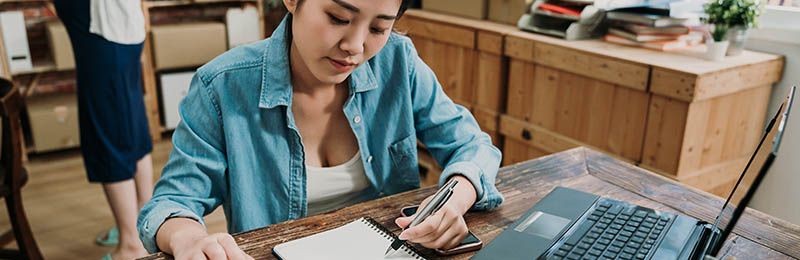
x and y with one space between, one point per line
767 148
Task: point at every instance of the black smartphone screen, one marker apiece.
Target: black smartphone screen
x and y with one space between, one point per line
409 211
470 239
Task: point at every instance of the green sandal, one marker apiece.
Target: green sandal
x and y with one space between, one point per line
107 257
109 238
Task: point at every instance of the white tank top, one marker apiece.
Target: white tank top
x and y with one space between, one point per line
120 21
335 187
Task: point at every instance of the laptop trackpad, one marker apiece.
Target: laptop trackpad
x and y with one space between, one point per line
532 234
543 225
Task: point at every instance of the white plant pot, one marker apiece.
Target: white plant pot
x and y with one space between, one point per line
737 37
716 50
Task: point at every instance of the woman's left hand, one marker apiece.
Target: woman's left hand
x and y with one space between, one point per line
446 227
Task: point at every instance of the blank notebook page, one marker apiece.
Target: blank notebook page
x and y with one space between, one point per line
362 239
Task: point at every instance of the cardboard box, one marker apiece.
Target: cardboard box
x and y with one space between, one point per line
54 121
507 11
15 37
187 45
60 46
468 8
174 87
243 26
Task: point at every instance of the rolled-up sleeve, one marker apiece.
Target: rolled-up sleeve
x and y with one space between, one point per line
192 183
451 134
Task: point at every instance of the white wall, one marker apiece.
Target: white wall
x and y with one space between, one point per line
779 194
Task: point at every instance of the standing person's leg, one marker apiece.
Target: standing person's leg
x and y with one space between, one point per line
122 197
126 198
144 180
118 194
133 146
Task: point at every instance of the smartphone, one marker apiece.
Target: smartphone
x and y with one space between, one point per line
470 243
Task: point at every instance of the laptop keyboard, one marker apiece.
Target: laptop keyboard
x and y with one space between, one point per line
614 230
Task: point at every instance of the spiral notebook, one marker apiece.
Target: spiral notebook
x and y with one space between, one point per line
362 239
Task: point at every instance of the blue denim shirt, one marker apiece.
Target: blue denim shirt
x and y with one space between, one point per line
238 145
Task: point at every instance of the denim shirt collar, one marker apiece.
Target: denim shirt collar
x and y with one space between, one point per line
276 75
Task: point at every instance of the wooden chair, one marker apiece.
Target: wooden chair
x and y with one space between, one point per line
13 175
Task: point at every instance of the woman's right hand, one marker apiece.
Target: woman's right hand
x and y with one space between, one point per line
186 239
218 246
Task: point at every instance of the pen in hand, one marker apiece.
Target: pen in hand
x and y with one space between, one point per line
439 199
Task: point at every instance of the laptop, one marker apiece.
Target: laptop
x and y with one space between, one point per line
571 224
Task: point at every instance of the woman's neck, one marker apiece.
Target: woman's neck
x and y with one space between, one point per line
303 81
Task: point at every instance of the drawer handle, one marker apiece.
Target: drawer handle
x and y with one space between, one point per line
526 134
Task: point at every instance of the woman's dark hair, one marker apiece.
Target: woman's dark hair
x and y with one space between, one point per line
403 6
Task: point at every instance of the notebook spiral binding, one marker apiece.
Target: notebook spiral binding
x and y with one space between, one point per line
388 234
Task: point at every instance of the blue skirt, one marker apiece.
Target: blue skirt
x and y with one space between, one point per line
113 126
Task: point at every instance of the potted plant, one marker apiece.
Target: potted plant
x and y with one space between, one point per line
744 14
719 18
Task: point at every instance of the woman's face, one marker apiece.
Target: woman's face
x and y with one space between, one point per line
333 37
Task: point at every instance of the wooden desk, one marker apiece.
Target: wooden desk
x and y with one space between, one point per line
675 113
757 236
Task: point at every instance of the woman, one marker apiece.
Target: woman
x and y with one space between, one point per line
107 41
323 114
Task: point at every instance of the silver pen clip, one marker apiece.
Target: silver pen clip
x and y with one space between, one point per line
443 201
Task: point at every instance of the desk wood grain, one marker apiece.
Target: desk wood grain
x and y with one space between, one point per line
757 236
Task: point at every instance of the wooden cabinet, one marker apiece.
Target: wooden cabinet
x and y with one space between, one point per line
551 110
686 118
560 98
704 126
467 57
689 119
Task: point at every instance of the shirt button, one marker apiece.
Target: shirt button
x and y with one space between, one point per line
369 159
357 119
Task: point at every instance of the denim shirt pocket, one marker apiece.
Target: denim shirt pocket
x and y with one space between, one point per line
404 159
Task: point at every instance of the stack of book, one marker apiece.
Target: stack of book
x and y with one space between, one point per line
653 31
568 19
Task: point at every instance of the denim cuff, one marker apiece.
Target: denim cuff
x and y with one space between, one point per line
487 195
152 221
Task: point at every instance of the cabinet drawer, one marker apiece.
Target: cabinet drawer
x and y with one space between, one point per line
542 139
607 69
441 32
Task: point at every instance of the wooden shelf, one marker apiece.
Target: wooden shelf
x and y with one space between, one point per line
37 68
148 69
149 81
36 20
